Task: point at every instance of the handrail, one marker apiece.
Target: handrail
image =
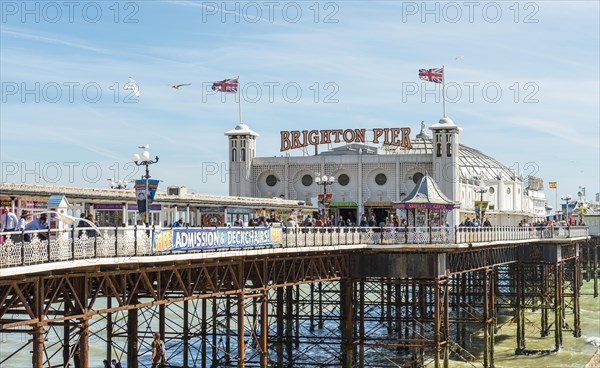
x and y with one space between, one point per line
21 248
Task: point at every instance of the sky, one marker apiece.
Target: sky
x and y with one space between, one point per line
522 81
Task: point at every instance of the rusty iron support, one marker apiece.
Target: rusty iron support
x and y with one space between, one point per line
186 333
132 337
436 322
289 324
109 330
346 308
576 292
595 267
280 327
204 333
558 305
241 348
38 339
361 323
264 330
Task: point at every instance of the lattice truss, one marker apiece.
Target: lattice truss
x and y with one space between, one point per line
395 322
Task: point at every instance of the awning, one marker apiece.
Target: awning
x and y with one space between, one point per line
343 204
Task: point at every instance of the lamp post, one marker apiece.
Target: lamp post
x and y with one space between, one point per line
121 184
566 198
481 189
324 181
144 160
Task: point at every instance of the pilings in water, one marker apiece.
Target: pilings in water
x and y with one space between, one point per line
369 309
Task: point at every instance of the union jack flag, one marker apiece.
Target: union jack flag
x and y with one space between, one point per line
226 85
432 75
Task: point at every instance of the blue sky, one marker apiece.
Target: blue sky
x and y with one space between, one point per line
362 58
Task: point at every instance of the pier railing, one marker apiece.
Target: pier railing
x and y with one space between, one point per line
54 245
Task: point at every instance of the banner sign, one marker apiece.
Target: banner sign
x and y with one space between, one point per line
177 239
430 206
140 193
108 206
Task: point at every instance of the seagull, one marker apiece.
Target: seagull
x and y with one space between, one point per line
178 86
132 86
67 219
145 146
459 57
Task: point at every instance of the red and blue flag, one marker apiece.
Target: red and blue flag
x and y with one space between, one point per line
226 85
435 75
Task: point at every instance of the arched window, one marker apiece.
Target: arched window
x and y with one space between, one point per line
448 149
439 150
233 155
243 155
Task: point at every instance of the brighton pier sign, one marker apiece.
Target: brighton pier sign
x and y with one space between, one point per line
387 136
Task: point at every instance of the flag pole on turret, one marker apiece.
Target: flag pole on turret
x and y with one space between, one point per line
239 98
443 92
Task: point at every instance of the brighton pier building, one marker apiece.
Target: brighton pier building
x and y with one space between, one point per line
372 179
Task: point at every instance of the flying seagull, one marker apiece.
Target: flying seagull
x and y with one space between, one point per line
459 57
178 86
132 86
67 219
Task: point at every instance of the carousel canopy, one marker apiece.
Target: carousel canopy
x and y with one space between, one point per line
426 194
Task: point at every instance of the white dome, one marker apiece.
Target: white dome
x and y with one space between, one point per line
446 120
242 129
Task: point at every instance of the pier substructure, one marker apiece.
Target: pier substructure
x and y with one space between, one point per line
377 308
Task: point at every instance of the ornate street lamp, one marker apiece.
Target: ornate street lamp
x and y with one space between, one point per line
144 160
481 189
121 184
324 181
566 198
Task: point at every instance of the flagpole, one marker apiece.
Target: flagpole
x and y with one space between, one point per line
239 98
443 88
556 200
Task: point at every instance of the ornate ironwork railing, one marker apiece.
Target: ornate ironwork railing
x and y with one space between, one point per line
46 246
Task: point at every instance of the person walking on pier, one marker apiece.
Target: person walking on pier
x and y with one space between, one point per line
159 355
116 364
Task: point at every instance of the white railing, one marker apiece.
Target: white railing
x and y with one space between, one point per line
46 246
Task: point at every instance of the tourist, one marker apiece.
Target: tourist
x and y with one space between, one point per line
106 364
37 224
178 223
307 221
22 221
238 222
118 364
363 221
159 355
487 223
9 221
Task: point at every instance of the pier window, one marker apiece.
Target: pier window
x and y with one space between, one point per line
416 177
344 180
307 180
439 150
380 179
233 155
243 154
448 149
271 180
